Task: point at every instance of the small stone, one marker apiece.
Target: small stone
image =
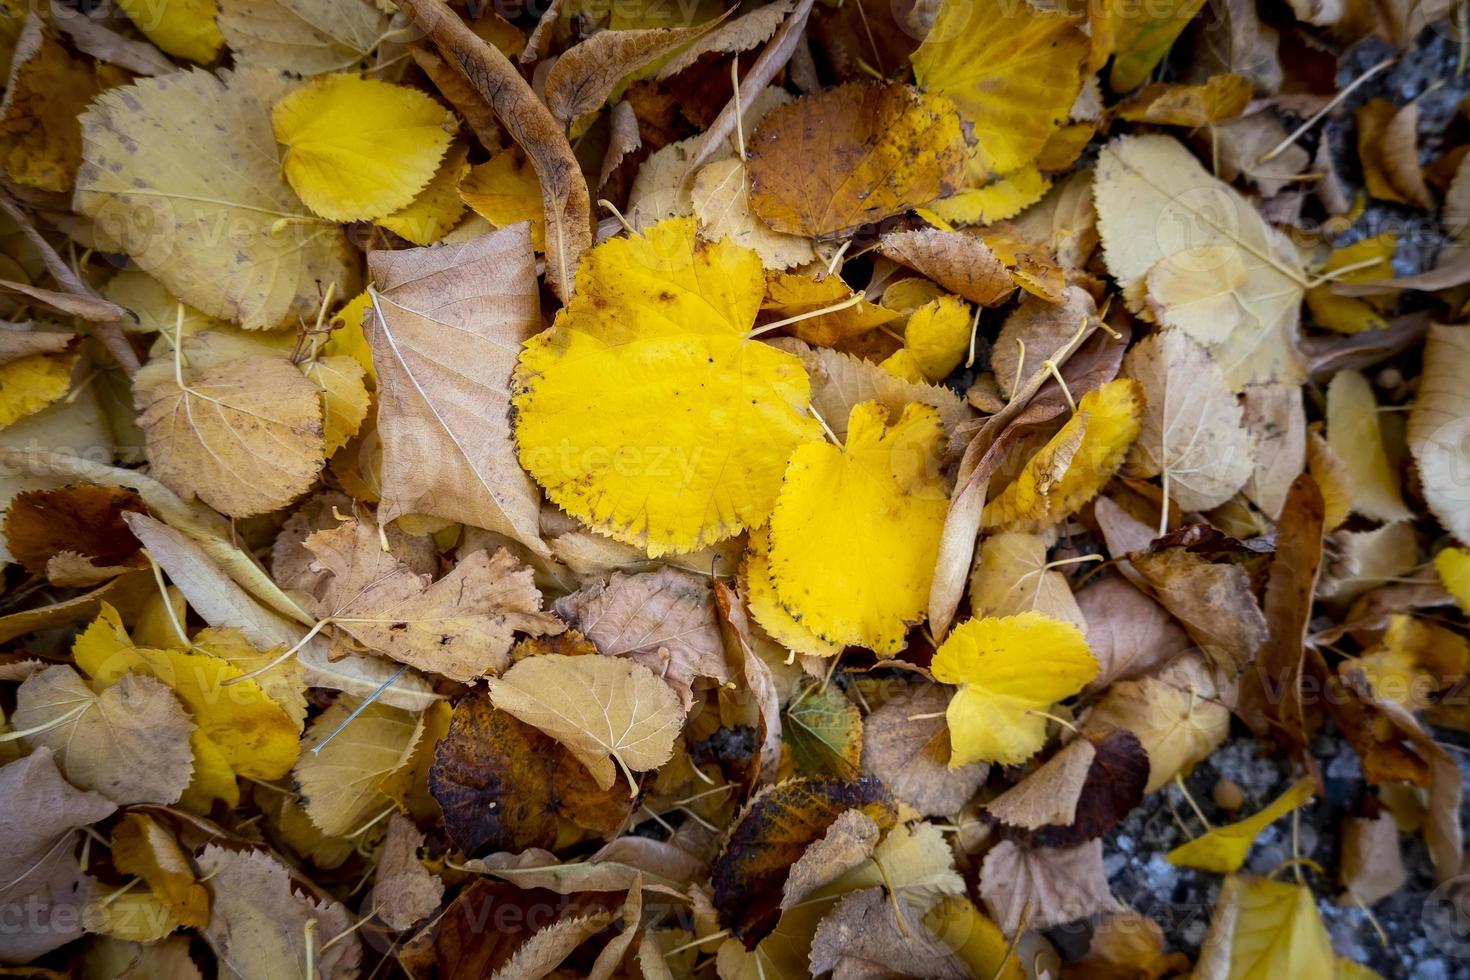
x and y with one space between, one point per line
1228 794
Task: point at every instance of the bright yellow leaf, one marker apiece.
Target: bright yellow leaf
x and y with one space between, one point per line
345 397
358 148
252 735
1008 668
938 336
1263 930
1414 662
1071 468
1223 849
760 597
647 410
1365 260
975 939
347 336
504 190
28 384
903 365
182 28
1013 70
1453 566
1005 198
438 207
1355 436
855 533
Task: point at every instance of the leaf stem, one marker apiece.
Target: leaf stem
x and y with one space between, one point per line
853 300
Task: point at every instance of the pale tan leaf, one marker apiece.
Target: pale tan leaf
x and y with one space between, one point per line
1193 430
1050 794
721 198
740 34
360 771
1213 601
540 955
586 73
446 331
862 937
1372 865
1439 428
152 183
1128 633
601 708
404 891
1057 885
461 626
906 744
304 37
847 843
257 925
1011 577
130 743
1277 422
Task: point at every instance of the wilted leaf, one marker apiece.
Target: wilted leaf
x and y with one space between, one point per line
863 932
584 76
1213 601
1372 865
360 770
789 294
1264 928
404 891
142 846
840 382
1044 887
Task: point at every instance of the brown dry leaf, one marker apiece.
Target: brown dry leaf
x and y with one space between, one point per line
243 434
1212 600
740 34
862 936
461 626
584 76
404 891
446 330
1079 794
130 742
1388 144
1372 864
39 820
1129 633
1011 576
959 262
603 709
85 520
1040 329
45 94
258 922
847 843
1179 713
1056 885
776 827
1162 104
865 134
1193 430
1049 795
144 847
664 620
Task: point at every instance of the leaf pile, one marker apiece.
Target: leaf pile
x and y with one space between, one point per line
754 489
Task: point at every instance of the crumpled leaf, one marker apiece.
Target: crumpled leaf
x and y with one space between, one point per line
615 405
886 479
362 768
865 134
151 182
1265 928
846 843
1193 429
1223 850
359 148
129 742
1008 669
1437 428
404 891
1056 885
906 745
1212 600
603 709
461 626
258 923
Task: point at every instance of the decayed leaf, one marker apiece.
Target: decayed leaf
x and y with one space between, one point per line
692 451
1160 212
1354 436
863 932
258 924
142 846
1264 928
865 135
1192 430
85 520
823 731
445 329
151 182
404 891
1014 88
1437 428
47 90
584 76
603 709
768 837
1223 849
130 742
961 263
306 38
1044 887
244 434
1212 600
846 843
460 626
360 770
1078 794
1128 633
886 480
1070 469
1008 669
358 147
664 620
1176 713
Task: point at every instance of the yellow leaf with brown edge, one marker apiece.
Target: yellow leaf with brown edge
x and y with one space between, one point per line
865 135
1010 670
504 190
765 606
1223 849
1078 461
855 533
1362 261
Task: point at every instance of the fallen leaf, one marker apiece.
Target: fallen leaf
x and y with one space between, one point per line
1436 428
144 847
1044 887
503 190
302 38
434 212
150 182
766 606
1011 576
129 742
1388 147
841 381
1139 43
1354 436
1212 600
1223 850
864 132
720 197
974 938
1193 430
352 777
698 475
863 931
461 626
823 731
906 745
603 709
258 923
404 891
997 664
1129 633
47 89
1219 98
184 29
1372 865
961 263
847 842
1033 332
885 478
585 75
1265 928
82 519
790 294
1079 794
1277 423
1365 260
